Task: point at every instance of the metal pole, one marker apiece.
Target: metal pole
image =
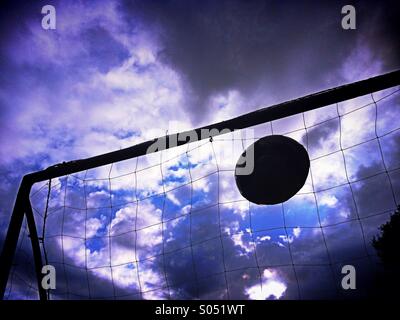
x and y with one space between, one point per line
275 112
37 255
10 243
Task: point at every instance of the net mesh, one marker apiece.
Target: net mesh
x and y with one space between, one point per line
172 225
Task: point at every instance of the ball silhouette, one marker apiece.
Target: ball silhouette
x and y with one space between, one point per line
280 170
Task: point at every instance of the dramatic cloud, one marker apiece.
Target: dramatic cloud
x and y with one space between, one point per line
173 224
265 50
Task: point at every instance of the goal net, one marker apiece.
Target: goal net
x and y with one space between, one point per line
173 225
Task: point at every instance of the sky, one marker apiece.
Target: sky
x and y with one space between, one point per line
173 225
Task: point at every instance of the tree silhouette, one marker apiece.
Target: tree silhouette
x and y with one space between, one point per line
387 246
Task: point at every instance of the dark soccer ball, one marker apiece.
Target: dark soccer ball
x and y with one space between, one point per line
280 170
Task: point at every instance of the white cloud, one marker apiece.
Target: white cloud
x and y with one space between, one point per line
328 200
92 225
287 239
271 287
264 238
290 238
245 246
296 232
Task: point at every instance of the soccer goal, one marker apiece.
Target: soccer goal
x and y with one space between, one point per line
164 219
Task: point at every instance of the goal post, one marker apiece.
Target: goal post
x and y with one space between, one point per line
22 207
